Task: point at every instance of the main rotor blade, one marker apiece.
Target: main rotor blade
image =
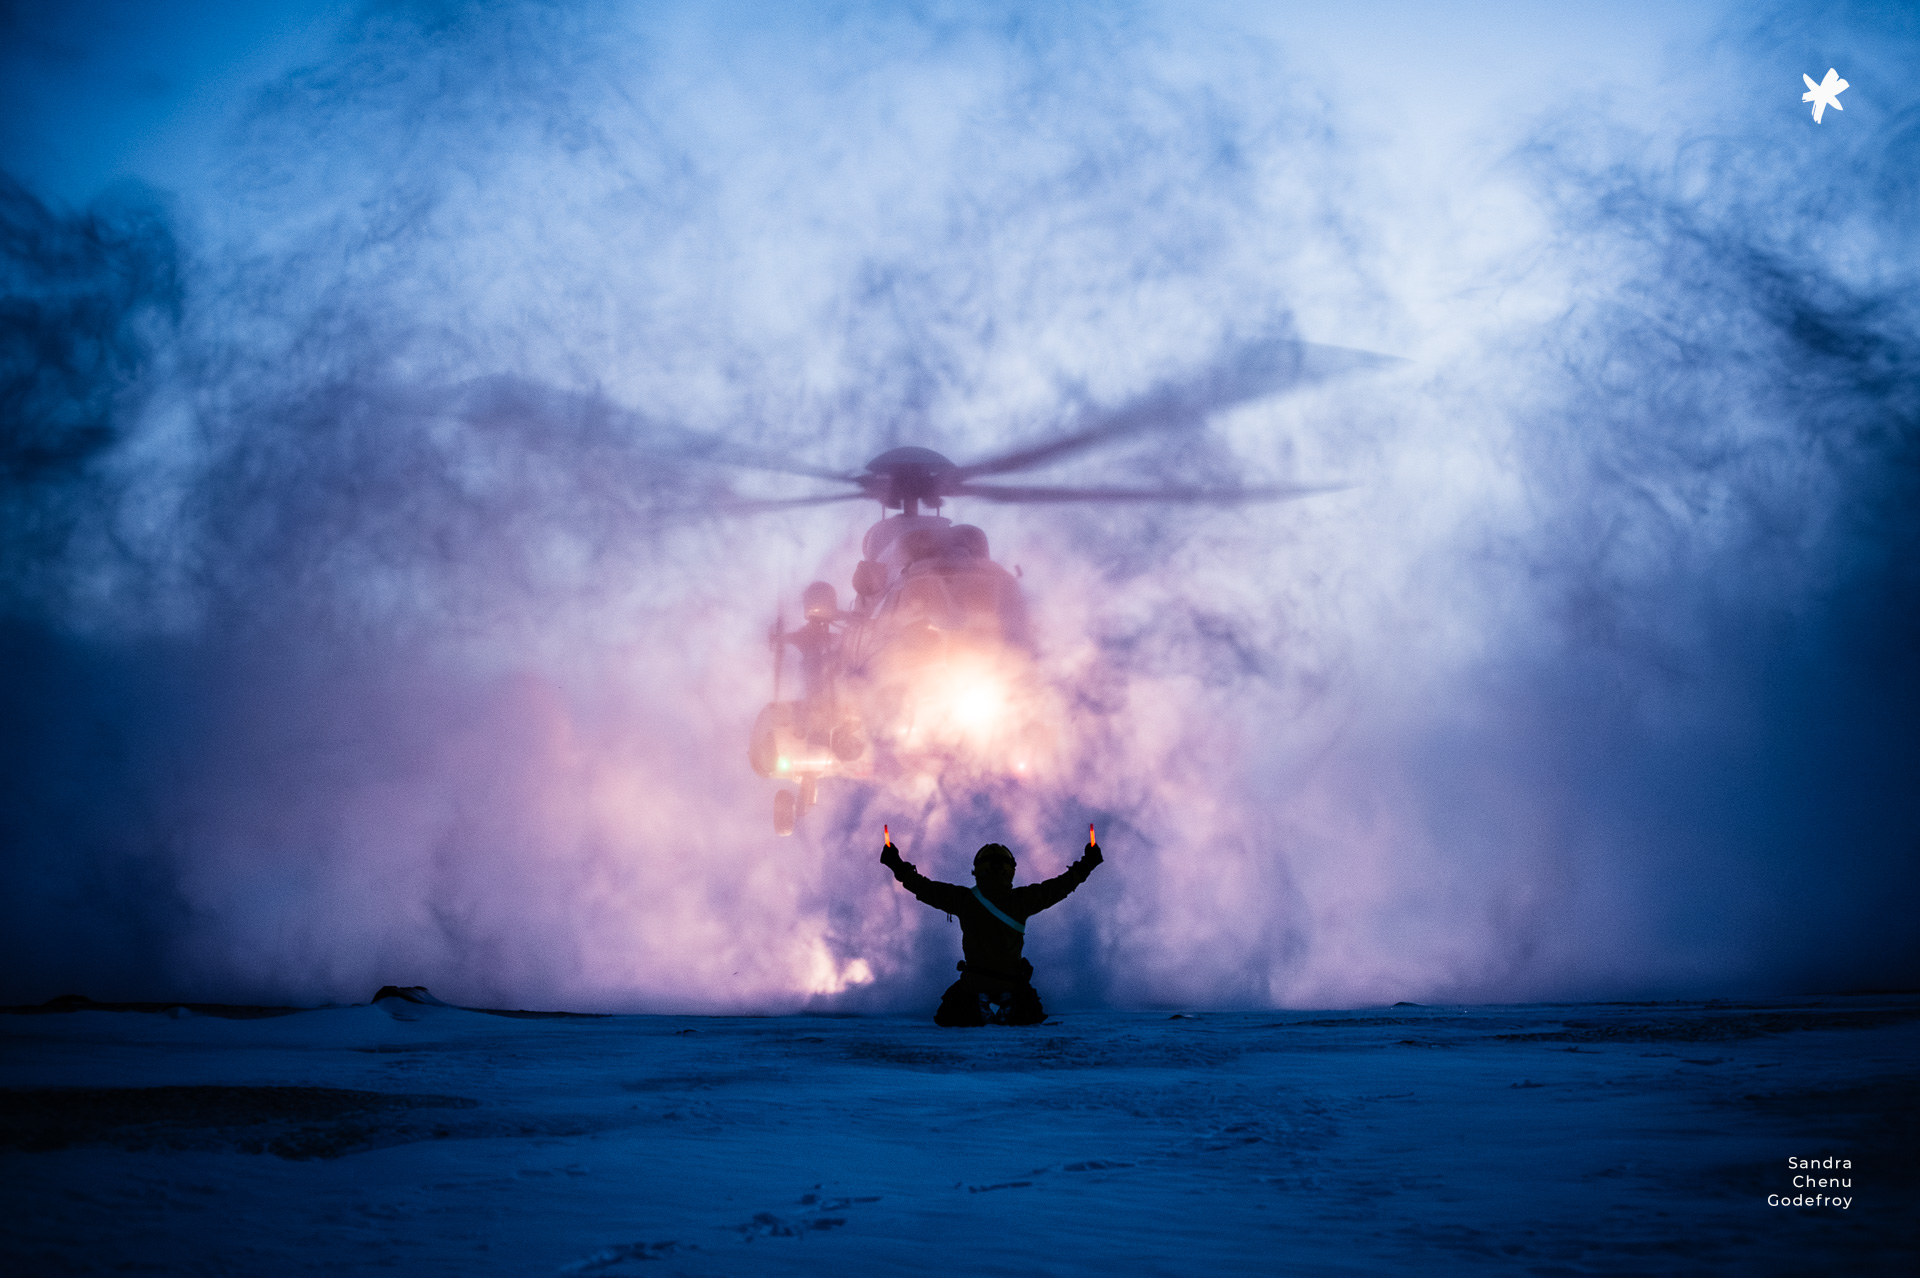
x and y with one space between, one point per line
1253 372
745 458
509 395
1220 496
746 506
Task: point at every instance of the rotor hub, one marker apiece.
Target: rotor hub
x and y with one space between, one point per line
905 478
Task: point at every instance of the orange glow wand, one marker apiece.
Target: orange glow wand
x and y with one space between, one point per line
886 835
1091 841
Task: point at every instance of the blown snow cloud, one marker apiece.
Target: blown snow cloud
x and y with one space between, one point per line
368 619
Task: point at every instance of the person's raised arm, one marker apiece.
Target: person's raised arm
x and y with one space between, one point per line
932 892
1054 890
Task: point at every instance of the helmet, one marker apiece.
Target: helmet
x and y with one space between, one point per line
819 601
991 853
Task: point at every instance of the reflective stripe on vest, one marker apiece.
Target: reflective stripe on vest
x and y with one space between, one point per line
998 913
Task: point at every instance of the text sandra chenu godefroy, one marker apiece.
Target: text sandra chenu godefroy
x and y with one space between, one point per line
1805 1176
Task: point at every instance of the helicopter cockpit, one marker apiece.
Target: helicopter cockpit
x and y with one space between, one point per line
924 571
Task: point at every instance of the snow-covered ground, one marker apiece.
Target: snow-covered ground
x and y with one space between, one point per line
1539 1139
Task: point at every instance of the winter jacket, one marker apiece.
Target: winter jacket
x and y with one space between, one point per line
990 946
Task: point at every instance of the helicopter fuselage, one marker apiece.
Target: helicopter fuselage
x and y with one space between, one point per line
931 668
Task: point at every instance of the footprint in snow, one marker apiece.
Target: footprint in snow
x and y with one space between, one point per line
609 1257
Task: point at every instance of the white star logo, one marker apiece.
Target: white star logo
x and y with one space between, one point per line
1824 94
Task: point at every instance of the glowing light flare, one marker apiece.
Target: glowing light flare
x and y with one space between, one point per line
984 710
963 703
978 704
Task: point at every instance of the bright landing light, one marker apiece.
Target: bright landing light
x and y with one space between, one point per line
978 710
977 703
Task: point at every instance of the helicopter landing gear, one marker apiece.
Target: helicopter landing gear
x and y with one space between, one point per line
789 807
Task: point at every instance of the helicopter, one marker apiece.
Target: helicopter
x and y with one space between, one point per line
933 664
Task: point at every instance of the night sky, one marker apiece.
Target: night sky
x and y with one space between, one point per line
366 614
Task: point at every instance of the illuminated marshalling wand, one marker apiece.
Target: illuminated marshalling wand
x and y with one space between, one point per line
886 836
1091 841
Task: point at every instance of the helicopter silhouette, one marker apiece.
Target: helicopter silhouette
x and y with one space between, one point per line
933 664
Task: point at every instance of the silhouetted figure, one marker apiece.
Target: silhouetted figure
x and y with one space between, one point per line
815 638
995 983
819 661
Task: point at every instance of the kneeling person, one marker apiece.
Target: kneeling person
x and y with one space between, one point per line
995 982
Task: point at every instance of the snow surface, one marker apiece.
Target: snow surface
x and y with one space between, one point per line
1539 1139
